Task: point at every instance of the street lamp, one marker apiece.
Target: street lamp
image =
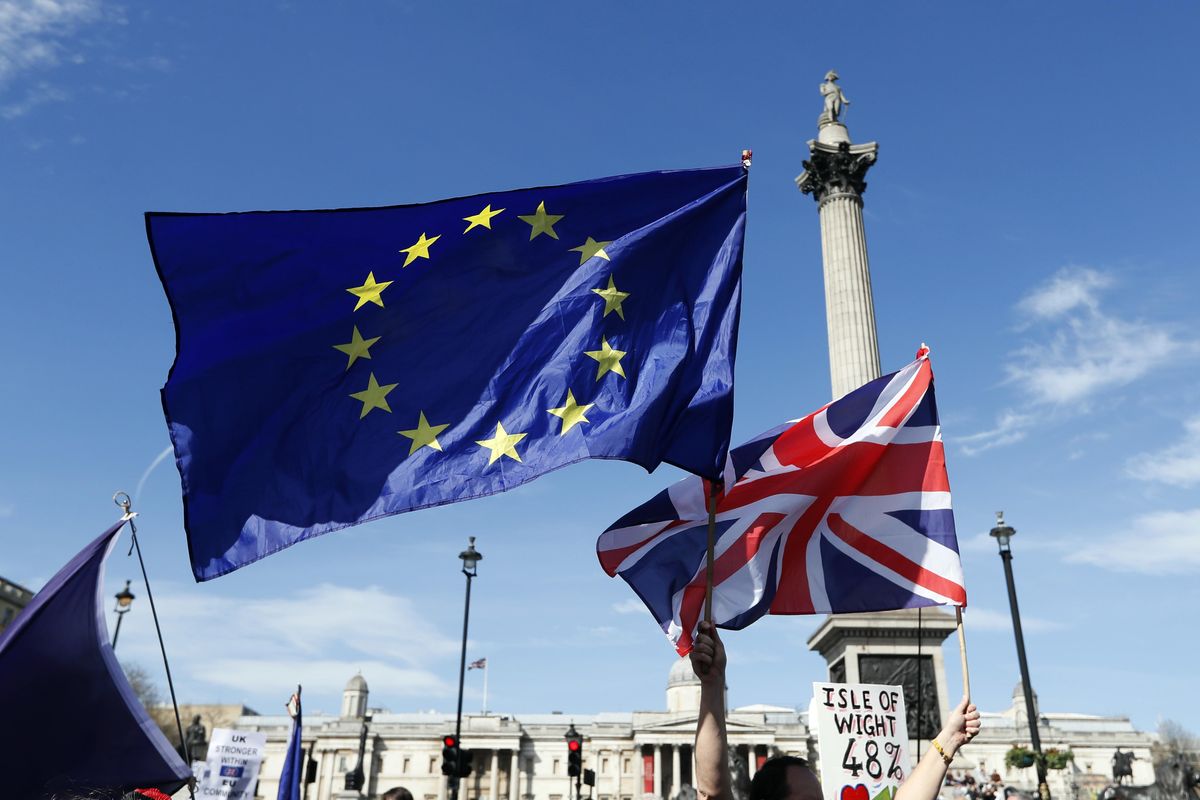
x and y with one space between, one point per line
1004 534
356 779
124 601
470 558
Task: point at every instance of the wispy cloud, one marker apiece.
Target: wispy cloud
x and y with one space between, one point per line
1161 543
630 606
990 620
38 95
1068 290
318 636
1085 349
1074 350
33 33
1010 428
1176 465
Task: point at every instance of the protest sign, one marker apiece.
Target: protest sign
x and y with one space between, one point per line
862 735
231 771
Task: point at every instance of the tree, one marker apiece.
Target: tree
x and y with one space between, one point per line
1173 740
146 691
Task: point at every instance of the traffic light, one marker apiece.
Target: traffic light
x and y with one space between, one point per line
450 755
574 756
456 762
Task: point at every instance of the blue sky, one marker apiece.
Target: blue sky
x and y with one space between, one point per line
1032 216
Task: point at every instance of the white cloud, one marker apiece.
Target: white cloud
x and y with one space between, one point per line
1161 543
1069 289
1010 428
32 32
1177 465
40 94
318 636
630 606
1088 350
990 620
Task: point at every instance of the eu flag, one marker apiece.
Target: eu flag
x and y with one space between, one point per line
338 366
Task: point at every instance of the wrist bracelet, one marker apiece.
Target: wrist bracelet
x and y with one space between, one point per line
937 746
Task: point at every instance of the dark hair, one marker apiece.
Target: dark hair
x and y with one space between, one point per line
770 782
399 793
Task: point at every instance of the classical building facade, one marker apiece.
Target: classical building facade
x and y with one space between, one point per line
13 598
642 755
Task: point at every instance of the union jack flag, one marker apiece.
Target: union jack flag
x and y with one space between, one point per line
847 509
479 664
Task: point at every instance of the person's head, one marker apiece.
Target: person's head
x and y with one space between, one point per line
785 778
398 793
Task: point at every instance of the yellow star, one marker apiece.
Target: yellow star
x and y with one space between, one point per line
374 396
590 249
483 218
609 359
369 292
571 413
612 298
424 435
541 222
357 347
418 250
502 444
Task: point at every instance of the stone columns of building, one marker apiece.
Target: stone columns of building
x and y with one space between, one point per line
674 770
751 761
835 175
514 775
658 782
494 776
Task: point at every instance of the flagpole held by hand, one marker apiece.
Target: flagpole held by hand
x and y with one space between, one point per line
714 490
962 649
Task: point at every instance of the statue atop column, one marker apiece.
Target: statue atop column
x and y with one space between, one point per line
835 99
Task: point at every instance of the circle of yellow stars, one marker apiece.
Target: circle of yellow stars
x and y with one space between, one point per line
502 444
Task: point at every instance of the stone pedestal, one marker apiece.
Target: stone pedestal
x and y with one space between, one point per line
835 175
890 647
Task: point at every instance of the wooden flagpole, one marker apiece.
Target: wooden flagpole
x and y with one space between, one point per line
962 649
714 489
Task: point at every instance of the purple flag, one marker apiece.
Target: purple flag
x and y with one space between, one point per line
71 720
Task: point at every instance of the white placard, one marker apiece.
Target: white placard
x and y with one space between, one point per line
862 735
231 771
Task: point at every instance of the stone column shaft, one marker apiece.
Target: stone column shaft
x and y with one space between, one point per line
514 776
674 770
658 782
494 777
849 306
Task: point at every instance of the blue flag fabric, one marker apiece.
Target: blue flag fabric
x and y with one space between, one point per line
334 367
291 779
56 664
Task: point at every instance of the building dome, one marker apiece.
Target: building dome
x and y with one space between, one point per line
354 697
682 674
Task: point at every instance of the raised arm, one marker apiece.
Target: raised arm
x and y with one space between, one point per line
712 741
926 780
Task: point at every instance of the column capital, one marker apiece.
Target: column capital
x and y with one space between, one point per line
836 169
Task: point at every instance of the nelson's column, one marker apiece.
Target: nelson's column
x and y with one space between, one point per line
892 647
835 176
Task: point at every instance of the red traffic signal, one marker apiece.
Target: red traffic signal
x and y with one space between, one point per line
449 741
573 745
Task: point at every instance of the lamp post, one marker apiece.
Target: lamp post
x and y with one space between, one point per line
470 558
124 601
1004 534
356 779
